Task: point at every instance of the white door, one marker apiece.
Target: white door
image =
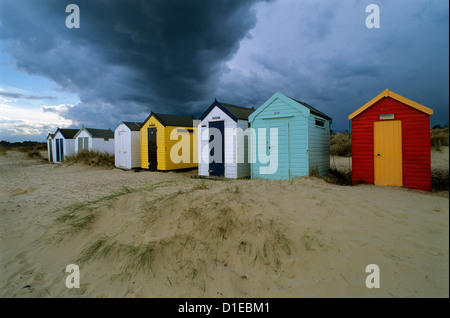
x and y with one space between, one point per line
123 150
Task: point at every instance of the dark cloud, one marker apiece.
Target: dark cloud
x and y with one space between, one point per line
322 53
127 57
25 96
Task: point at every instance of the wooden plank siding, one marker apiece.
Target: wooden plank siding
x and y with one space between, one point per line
319 146
164 146
415 140
187 143
231 147
302 145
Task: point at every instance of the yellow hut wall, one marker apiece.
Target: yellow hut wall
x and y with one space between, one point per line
186 143
164 146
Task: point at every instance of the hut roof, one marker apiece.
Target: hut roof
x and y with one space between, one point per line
172 120
133 125
97 133
312 109
67 133
233 111
388 93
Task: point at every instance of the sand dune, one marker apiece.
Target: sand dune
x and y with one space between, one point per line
153 234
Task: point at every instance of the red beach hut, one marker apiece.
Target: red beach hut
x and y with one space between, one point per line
391 142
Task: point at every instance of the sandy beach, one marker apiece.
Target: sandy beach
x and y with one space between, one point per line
154 234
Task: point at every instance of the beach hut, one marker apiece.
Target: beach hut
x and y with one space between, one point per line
168 143
391 142
291 139
50 146
228 157
127 145
63 144
93 139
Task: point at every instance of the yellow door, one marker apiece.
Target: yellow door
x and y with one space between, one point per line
388 153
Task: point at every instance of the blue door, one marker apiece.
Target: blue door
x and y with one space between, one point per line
216 165
59 150
58 158
61 147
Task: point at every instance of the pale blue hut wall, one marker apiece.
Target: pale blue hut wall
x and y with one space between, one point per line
298 145
319 145
292 146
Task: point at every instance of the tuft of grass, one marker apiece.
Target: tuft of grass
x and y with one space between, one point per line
314 172
91 251
202 185
233 190
341 144
91 158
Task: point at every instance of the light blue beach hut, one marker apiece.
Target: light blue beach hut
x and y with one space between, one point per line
290 139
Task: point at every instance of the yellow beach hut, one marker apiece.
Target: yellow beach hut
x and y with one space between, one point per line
168 142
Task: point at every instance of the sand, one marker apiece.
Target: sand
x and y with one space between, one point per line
154 234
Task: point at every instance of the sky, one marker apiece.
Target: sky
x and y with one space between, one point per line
131 57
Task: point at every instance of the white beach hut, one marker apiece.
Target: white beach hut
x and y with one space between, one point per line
127 145
63 144
223 159
93 139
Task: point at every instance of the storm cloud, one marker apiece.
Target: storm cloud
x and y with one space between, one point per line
128 57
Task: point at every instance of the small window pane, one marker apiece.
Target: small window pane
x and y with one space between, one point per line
320 123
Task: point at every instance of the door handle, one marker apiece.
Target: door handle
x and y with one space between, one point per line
378 155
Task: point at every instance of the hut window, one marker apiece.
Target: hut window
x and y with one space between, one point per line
386 116
320 123
83 143
105 139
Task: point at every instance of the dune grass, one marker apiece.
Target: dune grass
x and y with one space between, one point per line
32 150
82 215
341 144
201 234
439 138
91 158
